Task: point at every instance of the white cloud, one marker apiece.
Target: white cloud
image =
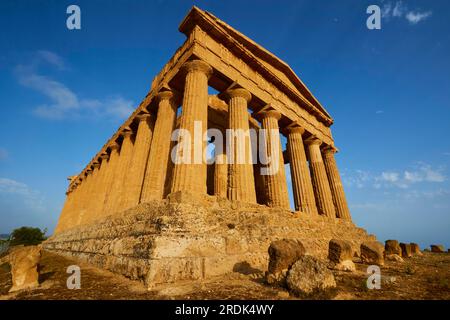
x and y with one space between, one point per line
420 173
389 176
64 102
51 58
31 198
416 17
398 9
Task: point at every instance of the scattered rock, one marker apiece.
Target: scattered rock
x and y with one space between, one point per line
406 250
438 248
372 252
388 279
392 247
394 257
24 263
346 265
283 294
415 249
339 251
309 275
283 254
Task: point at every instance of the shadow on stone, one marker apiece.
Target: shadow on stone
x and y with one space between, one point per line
245 268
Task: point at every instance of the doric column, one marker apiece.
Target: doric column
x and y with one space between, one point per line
191 177
91 199
99 191
322 190
76 202
135 175
241 185
84 197
334 179
159 157
110 175
301 177
220 175
118 190
65 212
275 181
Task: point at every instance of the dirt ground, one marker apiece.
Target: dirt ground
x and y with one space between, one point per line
419 277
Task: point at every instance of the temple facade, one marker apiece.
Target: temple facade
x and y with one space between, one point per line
253 90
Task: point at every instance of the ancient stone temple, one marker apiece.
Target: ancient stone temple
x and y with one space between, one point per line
137 211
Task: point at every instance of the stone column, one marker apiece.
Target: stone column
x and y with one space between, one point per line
135 175
241 184
91 199
192 177
84 197
75 206
118 189
65 213
110 176
275 181
301 177
99 192
159 157
334 179
220 175
322 190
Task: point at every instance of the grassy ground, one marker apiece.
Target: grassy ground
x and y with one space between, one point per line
419 277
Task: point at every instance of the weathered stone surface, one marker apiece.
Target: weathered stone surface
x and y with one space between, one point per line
394 257
406 250
283 254
415 249
207 236
346 265
309 275
372 253
24 262
437 248
392 247
339 251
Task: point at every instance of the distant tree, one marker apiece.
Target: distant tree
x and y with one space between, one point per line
27 236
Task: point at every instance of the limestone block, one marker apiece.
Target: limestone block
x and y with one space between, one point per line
339 251
394 257
372 253
24 262
392 247
172 270
415 249
283 254
437 248
309 275
406 250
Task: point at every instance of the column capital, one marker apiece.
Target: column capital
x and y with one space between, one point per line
126 133
271 114
198 65
329 150
312 141
165 95
143 117
114 146
296 129
239 93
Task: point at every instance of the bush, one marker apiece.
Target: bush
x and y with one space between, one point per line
27 236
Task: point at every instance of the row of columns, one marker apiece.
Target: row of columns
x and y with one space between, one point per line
136 170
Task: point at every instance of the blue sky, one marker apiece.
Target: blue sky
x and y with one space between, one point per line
63 93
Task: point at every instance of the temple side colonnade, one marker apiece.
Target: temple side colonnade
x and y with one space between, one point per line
257 91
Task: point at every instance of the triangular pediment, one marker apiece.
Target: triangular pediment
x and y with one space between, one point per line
249 49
